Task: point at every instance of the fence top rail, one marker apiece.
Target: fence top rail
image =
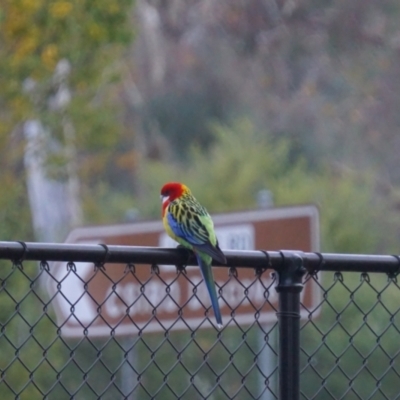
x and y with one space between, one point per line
259 259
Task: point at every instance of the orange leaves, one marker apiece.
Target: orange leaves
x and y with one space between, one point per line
18 17
61 9
38 33
49 56
21 37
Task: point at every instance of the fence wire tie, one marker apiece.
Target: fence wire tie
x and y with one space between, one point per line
338 276
71 267
180 268
130 268
273 276
232 272
393 275
44 266
260 269
18 262
364 277
314 272
155 269
101 264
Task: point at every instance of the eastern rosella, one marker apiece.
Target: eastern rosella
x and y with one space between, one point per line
188 222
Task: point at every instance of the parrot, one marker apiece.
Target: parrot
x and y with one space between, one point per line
187 222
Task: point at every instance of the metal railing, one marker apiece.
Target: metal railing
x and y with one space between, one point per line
61 339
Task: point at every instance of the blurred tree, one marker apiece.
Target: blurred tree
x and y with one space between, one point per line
37 36
319 73
244 160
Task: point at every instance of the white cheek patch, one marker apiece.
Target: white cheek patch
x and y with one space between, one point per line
164 199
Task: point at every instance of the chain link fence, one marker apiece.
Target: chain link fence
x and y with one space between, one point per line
345 347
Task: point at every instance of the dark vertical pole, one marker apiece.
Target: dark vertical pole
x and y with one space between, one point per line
289 286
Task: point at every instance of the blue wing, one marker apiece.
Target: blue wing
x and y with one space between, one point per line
185 231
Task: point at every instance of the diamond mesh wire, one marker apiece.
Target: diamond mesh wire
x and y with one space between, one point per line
349 340
39 361
352 350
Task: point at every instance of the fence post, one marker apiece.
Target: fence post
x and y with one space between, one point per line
289 287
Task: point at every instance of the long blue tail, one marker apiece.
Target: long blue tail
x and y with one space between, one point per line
206 271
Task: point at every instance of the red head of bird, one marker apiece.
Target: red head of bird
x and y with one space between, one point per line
171 191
